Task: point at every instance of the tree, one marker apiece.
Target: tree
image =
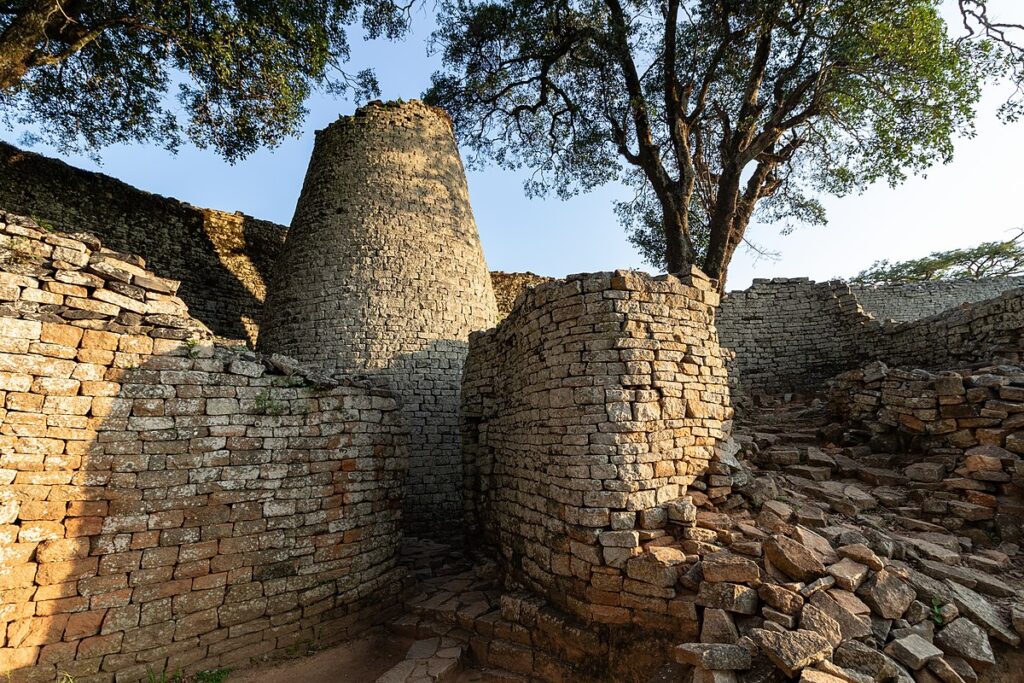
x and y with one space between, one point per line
988 259
91 73
1009 37
709 109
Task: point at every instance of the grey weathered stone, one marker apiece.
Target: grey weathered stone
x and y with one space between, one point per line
792 558
979 610
887 594
792 651
717 656
912 651
965 639
730 597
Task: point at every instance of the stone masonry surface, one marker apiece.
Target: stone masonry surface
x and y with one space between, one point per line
222 259
383 273
588 413
168 504
793 333
918 300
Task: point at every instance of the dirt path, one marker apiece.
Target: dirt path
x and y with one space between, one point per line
357 661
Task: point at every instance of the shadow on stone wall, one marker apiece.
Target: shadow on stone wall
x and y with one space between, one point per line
223 260
167 504
428 383
189 513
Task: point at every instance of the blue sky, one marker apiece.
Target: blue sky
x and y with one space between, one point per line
977 197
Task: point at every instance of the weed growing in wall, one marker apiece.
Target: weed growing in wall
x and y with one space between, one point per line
266 405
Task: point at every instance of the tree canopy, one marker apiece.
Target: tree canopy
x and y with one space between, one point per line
988 259
709 109
228 74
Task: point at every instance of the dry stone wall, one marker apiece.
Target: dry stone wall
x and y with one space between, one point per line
221 259
509 286
792 334
167 504
904 303
588 413
960 433
383 273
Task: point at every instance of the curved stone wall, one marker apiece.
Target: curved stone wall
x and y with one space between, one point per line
791 333
383 272
917 300
589 411
166 504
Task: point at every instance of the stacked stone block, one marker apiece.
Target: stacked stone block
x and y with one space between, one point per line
589 411
914 301
791 333
221 258
383 273
167 504
962 432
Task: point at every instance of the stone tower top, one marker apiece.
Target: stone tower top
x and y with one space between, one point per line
385 109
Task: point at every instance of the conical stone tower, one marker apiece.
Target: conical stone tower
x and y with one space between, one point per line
383 273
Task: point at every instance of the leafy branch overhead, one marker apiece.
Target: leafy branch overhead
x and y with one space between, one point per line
714 111
988 259
89 74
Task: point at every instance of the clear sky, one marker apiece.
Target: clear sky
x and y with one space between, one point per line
979 196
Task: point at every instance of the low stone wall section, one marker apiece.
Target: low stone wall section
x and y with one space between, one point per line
793 334
913 301
168 505
962 433
588 413
222 259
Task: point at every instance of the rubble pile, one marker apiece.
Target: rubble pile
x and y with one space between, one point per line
828 573
953 438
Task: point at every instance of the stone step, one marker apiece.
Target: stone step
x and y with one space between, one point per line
429 660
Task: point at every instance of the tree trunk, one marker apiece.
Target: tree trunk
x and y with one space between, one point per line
678 251
19 43
722 225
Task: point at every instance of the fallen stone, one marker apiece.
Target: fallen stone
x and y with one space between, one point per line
962 667
793 650
786 621
848 573
793 559
718 627
887 594
816 543
815 619
730 568
979 610
851 625
965 639
858 552
912 651
659 566
944 671
781 599
718 656
1017 618
682 511
867 660
824 583
730 597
